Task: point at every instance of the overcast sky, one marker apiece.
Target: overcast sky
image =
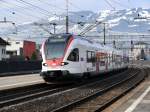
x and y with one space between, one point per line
21 11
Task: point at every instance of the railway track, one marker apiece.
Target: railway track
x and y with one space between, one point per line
103 98
21 94
55 98
17 95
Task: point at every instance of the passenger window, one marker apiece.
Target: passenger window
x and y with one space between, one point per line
91 56
74 55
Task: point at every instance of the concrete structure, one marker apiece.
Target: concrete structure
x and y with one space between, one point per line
3 45
20 81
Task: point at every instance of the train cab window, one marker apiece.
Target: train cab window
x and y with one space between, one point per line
74 55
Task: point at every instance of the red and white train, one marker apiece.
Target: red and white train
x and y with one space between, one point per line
67 55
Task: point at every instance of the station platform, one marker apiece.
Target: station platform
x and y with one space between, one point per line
19 81
137 100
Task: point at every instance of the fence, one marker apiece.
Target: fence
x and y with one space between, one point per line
17 66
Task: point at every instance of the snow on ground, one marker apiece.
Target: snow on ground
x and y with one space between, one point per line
118 21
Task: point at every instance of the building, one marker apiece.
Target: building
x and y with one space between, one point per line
21 48
3 45
141 50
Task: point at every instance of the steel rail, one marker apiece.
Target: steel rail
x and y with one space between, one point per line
138 80
87 98
48 91
27 93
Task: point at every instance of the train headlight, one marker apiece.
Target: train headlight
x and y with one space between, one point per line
64 63
45 64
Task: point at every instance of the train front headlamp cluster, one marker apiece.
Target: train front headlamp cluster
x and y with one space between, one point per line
64 63
45 64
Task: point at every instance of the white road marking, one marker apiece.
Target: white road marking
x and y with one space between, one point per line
135 104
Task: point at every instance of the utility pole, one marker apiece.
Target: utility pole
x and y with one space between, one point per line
114 44
132 45
16 30
104 33
54 27
5 19
54 24
67 17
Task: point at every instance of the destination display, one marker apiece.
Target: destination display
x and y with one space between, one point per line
57 40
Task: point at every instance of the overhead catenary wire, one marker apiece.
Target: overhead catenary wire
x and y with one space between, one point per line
36 7
18 14
47 3
59 8
120 4
33 7
28 2
62 9
75 6
20 11
109 3
40 25
52 5
90 27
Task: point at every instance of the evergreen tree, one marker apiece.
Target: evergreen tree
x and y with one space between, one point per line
34 56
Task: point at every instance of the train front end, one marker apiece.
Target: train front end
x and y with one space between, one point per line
53 52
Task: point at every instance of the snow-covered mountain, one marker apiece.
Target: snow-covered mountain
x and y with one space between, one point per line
116 21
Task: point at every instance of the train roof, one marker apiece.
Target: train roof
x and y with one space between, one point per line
64 35
84 41
97 45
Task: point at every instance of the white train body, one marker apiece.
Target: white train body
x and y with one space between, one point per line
69 55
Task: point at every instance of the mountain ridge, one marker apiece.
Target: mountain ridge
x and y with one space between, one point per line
116 21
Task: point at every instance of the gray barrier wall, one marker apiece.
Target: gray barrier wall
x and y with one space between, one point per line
17 66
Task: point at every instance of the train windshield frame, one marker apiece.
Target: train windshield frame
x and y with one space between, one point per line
55 48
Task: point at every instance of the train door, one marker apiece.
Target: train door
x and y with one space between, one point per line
91 62
94 61
106 62
97 62
82 55
102 61
113 60
73 60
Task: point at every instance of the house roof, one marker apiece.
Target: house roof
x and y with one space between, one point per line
3 42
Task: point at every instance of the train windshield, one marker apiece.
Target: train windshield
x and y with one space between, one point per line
55 49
